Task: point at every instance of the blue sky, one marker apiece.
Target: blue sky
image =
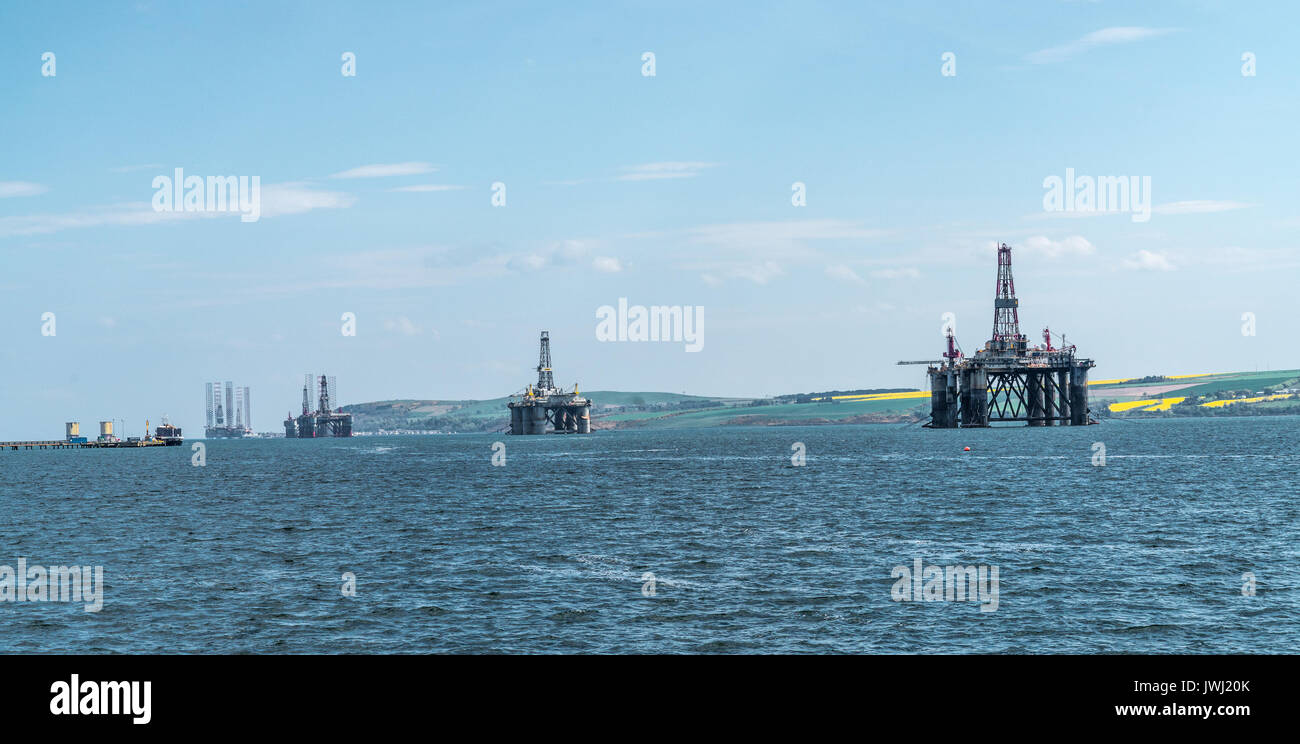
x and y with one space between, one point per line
667 190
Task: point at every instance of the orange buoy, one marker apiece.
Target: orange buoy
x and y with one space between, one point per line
966 450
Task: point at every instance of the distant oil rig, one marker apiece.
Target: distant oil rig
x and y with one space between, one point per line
231 420
325 421
532 410
1008 380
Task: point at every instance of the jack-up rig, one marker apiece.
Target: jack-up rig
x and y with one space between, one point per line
1008 380
535 407
322 422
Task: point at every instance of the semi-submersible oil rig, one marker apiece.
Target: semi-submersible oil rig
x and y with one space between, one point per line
1008 380
325 421
535 407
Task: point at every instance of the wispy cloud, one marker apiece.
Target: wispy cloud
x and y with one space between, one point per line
1103 37
1198 207
402 325
420 188
1194 206
657 171
903 273
296 198
20 188
759 251
746 236
384 170
644 172
1145 260
758 273
844 273
1074 245
277 200
134 168
606 264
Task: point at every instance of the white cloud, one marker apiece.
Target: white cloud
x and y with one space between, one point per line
760 273
1074 245
385 170
20 188
1145 260
656 171
844 274
757 250
277 200
1103 37
296 198
606 264
426 187
904 273
107 321
746 237
1201 206
403 325
134 168
563 253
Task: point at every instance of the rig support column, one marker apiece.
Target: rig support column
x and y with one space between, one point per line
536 420
1049 400
1034 395
943 399
1063 397
974 398
1078 395
516 420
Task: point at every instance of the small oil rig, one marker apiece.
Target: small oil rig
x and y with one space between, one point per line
1008 380
231 420
535 407
322 422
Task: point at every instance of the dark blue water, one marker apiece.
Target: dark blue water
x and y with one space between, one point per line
749 553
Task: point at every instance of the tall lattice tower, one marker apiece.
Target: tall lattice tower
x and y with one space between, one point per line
545 381
324 400
1006 316
212 411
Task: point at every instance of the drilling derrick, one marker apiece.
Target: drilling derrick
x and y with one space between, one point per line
324 400
1007 338
1008 380
536 407
545 381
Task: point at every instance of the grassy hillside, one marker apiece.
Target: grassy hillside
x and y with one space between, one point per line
614 409
1225 394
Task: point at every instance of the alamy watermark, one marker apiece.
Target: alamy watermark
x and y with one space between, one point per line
1103 194
679 323
923 583
53 584
182 193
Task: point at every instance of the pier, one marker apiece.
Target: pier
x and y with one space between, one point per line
62 444
165 435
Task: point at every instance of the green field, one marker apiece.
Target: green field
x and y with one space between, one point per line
1202 390
620 410
615 409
